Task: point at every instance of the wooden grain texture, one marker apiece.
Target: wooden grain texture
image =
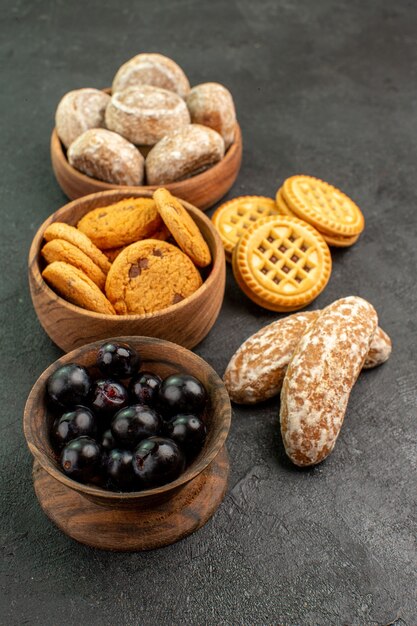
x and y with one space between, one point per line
70 326
121 529
202 190
161 357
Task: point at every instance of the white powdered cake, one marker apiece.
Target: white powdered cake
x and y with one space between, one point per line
256 371
183 153
78 111
211 104
145 114
152 69
320 377
101 154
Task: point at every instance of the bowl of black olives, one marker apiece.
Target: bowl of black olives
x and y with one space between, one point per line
128 439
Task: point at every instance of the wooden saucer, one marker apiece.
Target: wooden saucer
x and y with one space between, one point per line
113 528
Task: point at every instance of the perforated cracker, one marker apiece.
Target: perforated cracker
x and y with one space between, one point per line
233 218
282 263
322 205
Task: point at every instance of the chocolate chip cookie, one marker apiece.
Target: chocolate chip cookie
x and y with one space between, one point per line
150 275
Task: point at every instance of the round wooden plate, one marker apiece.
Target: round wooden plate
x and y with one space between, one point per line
121 529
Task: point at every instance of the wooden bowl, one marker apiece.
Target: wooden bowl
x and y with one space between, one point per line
70 326
202 190
138 520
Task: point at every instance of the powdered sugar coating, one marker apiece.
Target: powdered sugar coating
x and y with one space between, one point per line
101 154
145 114
256 371
211 104
320 376
152 69
78 111
379 350
183 153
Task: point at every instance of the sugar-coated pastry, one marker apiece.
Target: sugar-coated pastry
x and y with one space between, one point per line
107 156
78 111
183 153
256 370
211 104
152 69
320 376
145 114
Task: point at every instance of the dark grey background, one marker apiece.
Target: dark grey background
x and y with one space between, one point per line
324 88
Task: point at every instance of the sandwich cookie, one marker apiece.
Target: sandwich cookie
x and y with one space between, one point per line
282 263
232 218
337 241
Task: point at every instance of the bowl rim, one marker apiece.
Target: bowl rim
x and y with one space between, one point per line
59 153
95 491
35 249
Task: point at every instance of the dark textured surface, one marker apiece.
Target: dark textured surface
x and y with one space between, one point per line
324 88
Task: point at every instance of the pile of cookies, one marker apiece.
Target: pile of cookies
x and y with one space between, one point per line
314 359
134 257
151 113
280 255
